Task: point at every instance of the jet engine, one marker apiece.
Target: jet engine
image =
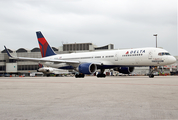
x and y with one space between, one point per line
124 70
46 70
87 68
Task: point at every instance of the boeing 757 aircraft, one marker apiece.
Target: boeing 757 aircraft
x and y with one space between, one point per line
123 61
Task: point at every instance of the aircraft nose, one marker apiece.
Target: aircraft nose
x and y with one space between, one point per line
172 60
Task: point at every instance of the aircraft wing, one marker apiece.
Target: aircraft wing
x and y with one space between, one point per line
41 59
45 59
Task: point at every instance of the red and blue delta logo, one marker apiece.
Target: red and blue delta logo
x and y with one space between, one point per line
135 52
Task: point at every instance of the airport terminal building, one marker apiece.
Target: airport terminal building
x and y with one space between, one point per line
20 67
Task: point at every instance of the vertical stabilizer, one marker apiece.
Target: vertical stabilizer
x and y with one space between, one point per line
45 48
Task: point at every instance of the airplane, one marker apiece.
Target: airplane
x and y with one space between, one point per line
49 70
123 61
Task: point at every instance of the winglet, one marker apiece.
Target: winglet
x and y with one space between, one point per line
7 52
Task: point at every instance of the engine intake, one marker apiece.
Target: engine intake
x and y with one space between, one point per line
87 68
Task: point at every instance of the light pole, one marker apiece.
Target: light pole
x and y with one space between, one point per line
156 38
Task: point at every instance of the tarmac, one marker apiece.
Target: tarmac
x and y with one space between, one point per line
89 98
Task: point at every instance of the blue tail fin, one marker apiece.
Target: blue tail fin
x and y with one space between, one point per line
45 48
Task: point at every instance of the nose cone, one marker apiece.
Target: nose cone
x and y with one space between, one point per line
172 60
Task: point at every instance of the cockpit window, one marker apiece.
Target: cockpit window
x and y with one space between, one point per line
167 54
163 53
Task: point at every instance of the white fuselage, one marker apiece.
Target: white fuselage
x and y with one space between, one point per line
125 57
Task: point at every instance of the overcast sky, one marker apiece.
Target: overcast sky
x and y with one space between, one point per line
124 23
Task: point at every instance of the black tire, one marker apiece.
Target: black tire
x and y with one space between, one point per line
151 76
101 75
79 76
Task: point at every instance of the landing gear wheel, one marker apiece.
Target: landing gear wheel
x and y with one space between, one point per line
151 76
101 75
79 75
151 70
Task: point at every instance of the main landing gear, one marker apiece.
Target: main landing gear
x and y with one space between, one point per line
101 74
80 75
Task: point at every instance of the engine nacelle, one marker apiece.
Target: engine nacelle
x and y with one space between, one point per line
46 70
124 70
87 68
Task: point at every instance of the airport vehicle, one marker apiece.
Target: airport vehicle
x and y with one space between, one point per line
49 70
123 61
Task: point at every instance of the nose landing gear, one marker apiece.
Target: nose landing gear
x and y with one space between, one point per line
152 69
151 76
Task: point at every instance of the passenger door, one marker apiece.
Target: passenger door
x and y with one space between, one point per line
116 56
150 55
